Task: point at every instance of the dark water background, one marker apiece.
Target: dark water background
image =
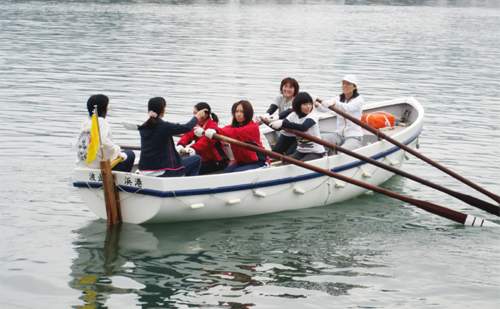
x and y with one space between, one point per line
370 252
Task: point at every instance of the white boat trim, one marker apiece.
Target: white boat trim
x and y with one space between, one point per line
253 186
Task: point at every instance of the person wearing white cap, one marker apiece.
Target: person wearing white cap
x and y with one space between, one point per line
348 134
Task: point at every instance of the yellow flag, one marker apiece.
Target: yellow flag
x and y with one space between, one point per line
94 140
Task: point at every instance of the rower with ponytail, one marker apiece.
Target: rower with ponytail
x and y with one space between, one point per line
212 152
158 154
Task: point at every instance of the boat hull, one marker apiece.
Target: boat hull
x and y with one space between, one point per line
155 200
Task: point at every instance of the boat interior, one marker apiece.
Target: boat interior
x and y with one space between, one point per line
402 118
328 125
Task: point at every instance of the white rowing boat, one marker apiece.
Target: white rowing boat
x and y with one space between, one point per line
147 199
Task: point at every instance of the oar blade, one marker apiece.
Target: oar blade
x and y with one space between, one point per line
474 221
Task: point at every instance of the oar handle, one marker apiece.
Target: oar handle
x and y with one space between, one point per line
495 197
436 209
116 161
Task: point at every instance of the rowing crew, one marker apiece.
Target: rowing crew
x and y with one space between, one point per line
160 156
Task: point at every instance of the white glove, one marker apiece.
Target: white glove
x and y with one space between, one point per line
123 156
130 125
210 133
179 148
327 104
276 124
313 97
190 151
259 118
199 131
273 117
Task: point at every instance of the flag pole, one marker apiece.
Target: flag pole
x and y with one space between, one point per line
99 131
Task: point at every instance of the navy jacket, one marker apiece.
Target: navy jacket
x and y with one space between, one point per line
157 146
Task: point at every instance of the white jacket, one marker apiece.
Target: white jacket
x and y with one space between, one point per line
111 151
353 107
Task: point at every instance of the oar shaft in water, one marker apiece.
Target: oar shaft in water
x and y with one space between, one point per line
427 206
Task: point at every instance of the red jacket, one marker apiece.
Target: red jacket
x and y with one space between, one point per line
207 149
248 134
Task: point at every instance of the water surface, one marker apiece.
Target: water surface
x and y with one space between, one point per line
370 252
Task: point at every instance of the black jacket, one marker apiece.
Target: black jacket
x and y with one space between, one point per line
157 146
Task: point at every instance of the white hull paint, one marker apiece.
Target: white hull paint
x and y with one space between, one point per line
155 200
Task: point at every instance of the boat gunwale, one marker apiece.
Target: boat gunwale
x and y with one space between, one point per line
240 187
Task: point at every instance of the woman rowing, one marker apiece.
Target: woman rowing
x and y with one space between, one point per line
303 119
289 87
213 154
242 128
348 134
158 156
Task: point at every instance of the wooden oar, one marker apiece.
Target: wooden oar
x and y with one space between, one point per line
473 201
427 206
461 196
495 197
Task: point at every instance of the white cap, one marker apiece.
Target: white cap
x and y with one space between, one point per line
351 78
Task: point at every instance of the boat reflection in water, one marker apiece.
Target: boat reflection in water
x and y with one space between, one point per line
287 258
154 266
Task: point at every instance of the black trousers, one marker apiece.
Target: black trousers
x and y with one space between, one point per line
285 144
212 167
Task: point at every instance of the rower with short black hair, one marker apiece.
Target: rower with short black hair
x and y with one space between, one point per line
108 150
304 119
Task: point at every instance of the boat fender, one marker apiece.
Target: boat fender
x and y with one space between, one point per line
299 191
365 174
259 193
339 184
234 201
197 206
395 162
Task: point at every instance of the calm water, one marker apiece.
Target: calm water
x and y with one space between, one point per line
370 252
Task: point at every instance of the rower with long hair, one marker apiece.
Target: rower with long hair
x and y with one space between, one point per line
242 128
